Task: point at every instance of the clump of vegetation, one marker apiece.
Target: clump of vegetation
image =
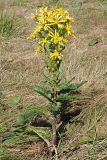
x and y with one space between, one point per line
10 24
53 27
4 153
22 3
19 2
56 2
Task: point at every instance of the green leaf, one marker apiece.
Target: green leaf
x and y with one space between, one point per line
67 97
41 132
30 112
70 88
56 107
65 83
47 79
43 91
2 130
20 138
15 100
4 153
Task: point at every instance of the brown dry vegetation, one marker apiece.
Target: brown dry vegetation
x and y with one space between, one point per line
85 58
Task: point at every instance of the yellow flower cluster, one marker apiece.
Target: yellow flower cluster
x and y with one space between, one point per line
56 55
53 25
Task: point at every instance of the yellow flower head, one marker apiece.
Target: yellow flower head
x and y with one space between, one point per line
55 21
69 19
56 55
69 30
33 16
49 16
38 50
43 41
35 31
61 11
56 38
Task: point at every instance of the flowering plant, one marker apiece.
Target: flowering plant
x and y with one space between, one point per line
53 27
52 30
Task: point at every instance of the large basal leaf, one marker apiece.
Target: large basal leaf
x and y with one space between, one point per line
70 88
41 132
67 97
30 112
43 91
21 138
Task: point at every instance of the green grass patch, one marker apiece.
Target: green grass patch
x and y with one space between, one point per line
11 25
23 3
55 2
4 153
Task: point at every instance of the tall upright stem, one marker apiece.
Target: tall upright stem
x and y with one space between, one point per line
53 116
55 78
54 136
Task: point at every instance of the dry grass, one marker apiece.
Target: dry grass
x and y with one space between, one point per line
20 69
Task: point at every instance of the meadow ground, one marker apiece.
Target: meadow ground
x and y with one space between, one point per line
85 58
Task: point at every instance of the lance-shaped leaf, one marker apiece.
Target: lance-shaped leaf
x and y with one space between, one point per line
72 87
67 97
65 83
43 91
47 79
41 132
30 112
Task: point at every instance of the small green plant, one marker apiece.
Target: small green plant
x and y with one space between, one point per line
10 24
4 153
22 3
53 27
6 24
19 2
56 2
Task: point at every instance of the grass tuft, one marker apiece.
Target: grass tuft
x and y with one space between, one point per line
22 3
10 24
